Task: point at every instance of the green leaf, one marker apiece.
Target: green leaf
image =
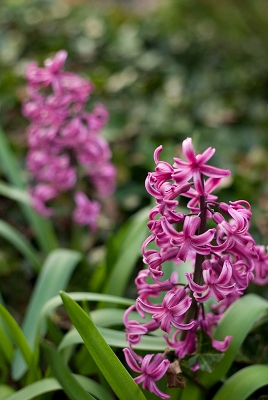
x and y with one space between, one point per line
14 193
129 253
206 361
17 335
60 370
54 276
107 316
56 301
206 356
243 383
51 385
5 391
112 369
5 345
20 243
236 322
42 227
116 339
35 389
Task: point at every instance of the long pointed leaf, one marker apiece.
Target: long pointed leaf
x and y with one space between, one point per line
6 345
54 276
243 383
20 243
52 385
112 369
17 335
60 370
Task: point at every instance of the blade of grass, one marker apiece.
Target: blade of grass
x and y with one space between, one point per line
17 335
54 276
114 372
42 227
243 383
20 243
236 322
60 370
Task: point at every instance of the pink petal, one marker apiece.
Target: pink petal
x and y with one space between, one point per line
188 150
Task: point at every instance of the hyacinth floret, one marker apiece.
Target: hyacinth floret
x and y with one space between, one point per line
222 258
65 143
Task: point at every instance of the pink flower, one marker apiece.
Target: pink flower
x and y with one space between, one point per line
134 329
234 234
187 240
171 312
185 346
40 195
195 166
223 257
63 138
154 289
152 368
218 282
261 266
86 212
209 185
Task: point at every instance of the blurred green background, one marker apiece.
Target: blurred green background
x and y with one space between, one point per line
165 70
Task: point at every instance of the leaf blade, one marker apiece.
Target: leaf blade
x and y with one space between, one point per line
54 276
20 243
17 335
62 373
102 354
243 383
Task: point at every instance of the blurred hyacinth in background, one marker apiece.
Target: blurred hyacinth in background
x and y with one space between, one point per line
63 137
89 90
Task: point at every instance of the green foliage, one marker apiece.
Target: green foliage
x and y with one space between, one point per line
102 354
71 387
206 356
243 383
54 276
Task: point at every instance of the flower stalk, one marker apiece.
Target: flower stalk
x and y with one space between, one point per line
224 259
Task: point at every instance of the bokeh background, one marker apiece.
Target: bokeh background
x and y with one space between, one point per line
165 70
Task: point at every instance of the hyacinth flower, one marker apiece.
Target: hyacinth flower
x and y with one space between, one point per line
66 150
223 256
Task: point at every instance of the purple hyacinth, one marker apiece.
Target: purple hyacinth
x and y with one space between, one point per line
224 259
65 145
152 367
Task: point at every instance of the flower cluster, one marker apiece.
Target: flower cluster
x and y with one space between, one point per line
224 260
65 145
